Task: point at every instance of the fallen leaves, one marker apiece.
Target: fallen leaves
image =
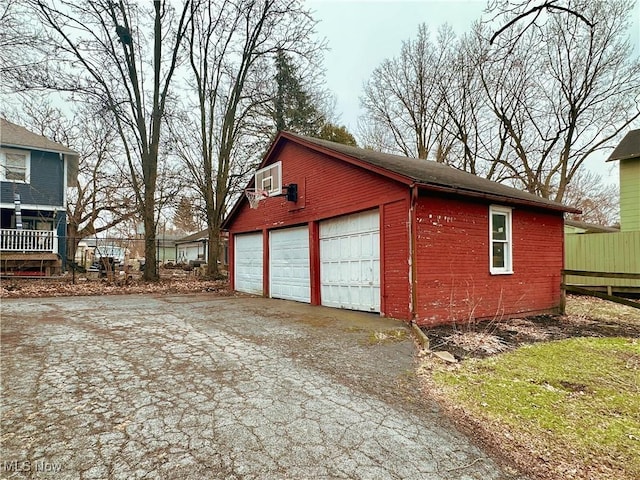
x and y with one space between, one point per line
33 288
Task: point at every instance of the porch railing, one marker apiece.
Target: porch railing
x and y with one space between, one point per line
12 240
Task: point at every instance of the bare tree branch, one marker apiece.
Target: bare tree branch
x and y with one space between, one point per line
549 5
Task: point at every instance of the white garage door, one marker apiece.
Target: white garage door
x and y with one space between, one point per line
350 261
248 263
289 257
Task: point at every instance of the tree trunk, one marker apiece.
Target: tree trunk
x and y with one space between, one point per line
214 250
150 265
148 217
72 242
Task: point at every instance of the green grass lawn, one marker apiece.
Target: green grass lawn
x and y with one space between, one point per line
576 400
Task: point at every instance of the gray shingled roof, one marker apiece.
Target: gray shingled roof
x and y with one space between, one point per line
628 148
430 173
12 135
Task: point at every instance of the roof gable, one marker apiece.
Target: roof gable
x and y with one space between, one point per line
12 135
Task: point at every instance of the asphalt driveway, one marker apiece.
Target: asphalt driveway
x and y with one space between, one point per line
198 387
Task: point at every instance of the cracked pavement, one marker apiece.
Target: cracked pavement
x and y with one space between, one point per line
198 386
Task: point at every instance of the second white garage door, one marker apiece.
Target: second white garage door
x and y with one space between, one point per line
289 259
350 261
248 263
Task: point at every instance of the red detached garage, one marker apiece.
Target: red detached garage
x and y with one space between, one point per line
412 239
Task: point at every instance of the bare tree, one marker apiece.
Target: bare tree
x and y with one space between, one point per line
477 143
402 98
598 201
122 56
17 39
528 110
231 46
567 99
103 197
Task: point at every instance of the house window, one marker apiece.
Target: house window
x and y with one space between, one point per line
500 245
15 165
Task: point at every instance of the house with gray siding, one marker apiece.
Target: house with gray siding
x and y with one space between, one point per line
34 175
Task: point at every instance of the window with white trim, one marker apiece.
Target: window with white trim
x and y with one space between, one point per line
500 244
15 165
270 179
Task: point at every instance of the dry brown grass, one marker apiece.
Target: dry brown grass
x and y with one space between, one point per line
594 309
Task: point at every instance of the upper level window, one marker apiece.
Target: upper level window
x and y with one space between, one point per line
15 165
500 246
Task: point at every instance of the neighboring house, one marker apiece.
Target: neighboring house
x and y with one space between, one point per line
612 250
411 239
192 247
34 175
627 153
195 247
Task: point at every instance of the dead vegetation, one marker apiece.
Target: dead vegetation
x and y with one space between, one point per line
586 317
477 342
33 288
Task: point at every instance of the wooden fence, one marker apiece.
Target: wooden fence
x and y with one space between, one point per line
583 290
604 252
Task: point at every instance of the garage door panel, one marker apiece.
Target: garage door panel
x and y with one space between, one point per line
289 271
248 263
350 261
376 273
356 244
366 244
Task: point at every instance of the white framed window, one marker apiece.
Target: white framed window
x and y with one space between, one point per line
270 179
15 165
500 243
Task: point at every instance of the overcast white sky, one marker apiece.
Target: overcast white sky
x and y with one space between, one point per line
362 33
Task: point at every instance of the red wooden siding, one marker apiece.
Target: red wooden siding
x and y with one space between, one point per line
328 188
394 234
454 282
